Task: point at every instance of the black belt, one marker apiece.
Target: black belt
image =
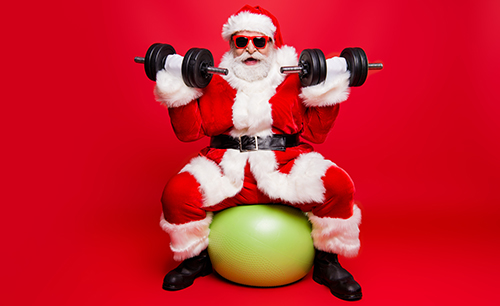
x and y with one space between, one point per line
254 143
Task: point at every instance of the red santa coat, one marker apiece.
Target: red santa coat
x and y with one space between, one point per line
212 115
275 105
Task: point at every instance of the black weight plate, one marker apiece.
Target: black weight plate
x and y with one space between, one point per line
186 67
308 60
363 72
315 67
305 61
203 60
149 63
322 65
155 58
350 55
356 67
194 66
161 53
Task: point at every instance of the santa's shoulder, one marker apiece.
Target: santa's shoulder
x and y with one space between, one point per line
286 56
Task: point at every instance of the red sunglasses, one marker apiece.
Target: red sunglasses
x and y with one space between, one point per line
241 41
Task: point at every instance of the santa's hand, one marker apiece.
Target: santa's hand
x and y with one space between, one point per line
314 69
335 66
173 65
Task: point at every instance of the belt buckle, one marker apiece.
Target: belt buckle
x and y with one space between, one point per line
256 144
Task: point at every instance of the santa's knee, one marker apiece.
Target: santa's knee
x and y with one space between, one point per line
339 195
337 181
182 199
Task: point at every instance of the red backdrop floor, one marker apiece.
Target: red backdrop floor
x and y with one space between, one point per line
86 150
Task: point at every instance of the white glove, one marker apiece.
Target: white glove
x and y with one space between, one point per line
173 65
335 66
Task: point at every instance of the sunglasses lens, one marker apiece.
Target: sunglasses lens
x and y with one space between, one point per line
259 42
241 42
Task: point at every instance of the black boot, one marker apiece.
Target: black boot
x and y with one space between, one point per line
184 275
329 272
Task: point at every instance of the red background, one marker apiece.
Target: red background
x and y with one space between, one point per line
86 150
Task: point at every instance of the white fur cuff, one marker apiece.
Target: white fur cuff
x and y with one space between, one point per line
333 90
171 90
189 239
335 235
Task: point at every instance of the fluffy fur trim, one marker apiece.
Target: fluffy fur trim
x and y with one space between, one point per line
171 90
189 239
333 90
334 235
252 114
216 183
303 184
286 56
246 21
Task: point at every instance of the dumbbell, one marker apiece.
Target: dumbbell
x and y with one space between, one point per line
312 66
197 65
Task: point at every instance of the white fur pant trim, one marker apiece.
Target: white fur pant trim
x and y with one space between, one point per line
217 184
304 183
189 239
335 235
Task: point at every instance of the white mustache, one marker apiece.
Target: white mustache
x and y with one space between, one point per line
256 55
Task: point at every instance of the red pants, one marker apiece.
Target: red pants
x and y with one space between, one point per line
183 202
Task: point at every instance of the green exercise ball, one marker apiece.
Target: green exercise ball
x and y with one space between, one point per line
261 245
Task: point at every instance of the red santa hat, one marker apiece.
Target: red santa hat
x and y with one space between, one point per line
255 19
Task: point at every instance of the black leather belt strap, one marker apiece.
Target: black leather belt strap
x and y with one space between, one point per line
254 143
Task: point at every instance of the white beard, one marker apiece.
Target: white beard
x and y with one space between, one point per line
251 73
252 113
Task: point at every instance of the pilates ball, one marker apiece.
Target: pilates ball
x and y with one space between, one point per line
261 245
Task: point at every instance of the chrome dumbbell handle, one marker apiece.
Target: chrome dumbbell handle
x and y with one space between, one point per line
139 60
375 66
291 69
215 70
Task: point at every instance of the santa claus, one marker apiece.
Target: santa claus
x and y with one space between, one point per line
257 119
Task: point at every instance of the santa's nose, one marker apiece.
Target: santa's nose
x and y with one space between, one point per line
251 48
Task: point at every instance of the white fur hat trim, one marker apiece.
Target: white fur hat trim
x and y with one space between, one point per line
246 21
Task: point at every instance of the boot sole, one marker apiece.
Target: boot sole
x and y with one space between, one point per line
205 272
350 297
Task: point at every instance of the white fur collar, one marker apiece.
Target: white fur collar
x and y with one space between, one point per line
251 109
